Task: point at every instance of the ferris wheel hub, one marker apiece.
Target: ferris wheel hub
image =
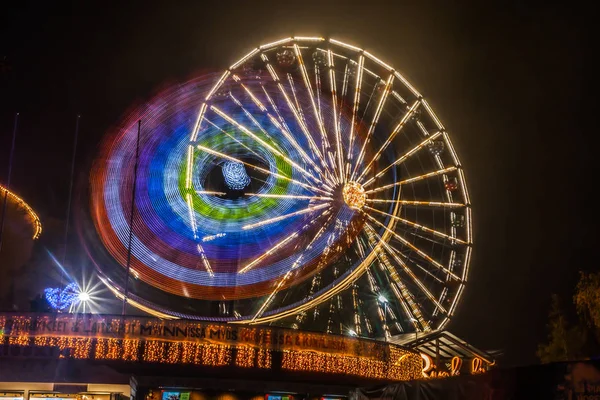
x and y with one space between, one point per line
354 195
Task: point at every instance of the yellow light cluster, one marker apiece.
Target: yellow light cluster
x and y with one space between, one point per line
264 359
130 349
154 351
186 353
251 357
115 349
403 365
37 224
80 348
245 356
216 355
173 352
18 340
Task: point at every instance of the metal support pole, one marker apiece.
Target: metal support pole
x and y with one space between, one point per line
65 243
10 163
386 328
135 168
437 352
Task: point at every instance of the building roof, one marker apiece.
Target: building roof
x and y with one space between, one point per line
444 343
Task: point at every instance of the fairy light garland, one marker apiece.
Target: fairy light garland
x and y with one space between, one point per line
400 365
407 365
245 347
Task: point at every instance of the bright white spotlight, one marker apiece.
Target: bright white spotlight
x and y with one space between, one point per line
351 332
382 299
83 296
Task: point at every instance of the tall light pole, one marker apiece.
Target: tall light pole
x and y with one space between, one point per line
384 301
7 187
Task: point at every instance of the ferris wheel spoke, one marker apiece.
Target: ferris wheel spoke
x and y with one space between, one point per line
289 196
380 311
231 137
414 315
295 265
285 241
399 253
401 296
251 117
411 274
204 260
391 137
356 308
374 120
249 92
303 127
210 193
407 260
288 136
266 254
418 203
405 297
246 131
285 216
309 89
414 248
404 157
361 253
411 180
298 107
344 91
356 104
334 105
325 144
269 300
191 214
345 164
285 130
420 227
263 170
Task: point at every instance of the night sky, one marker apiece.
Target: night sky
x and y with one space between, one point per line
510 82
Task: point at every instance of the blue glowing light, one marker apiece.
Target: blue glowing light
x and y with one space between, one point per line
235 175
62 299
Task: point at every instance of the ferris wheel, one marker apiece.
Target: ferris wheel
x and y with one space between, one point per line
315 188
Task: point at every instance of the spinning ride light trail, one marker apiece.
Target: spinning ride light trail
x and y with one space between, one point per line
346 185
235 175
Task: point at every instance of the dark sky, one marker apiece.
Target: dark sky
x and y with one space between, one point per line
510 81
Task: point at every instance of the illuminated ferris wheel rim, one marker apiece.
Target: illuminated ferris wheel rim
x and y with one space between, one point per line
355 186
37 224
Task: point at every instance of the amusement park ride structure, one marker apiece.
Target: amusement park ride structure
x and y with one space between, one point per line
298 188
304 212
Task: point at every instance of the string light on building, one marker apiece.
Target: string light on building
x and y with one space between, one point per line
210 345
